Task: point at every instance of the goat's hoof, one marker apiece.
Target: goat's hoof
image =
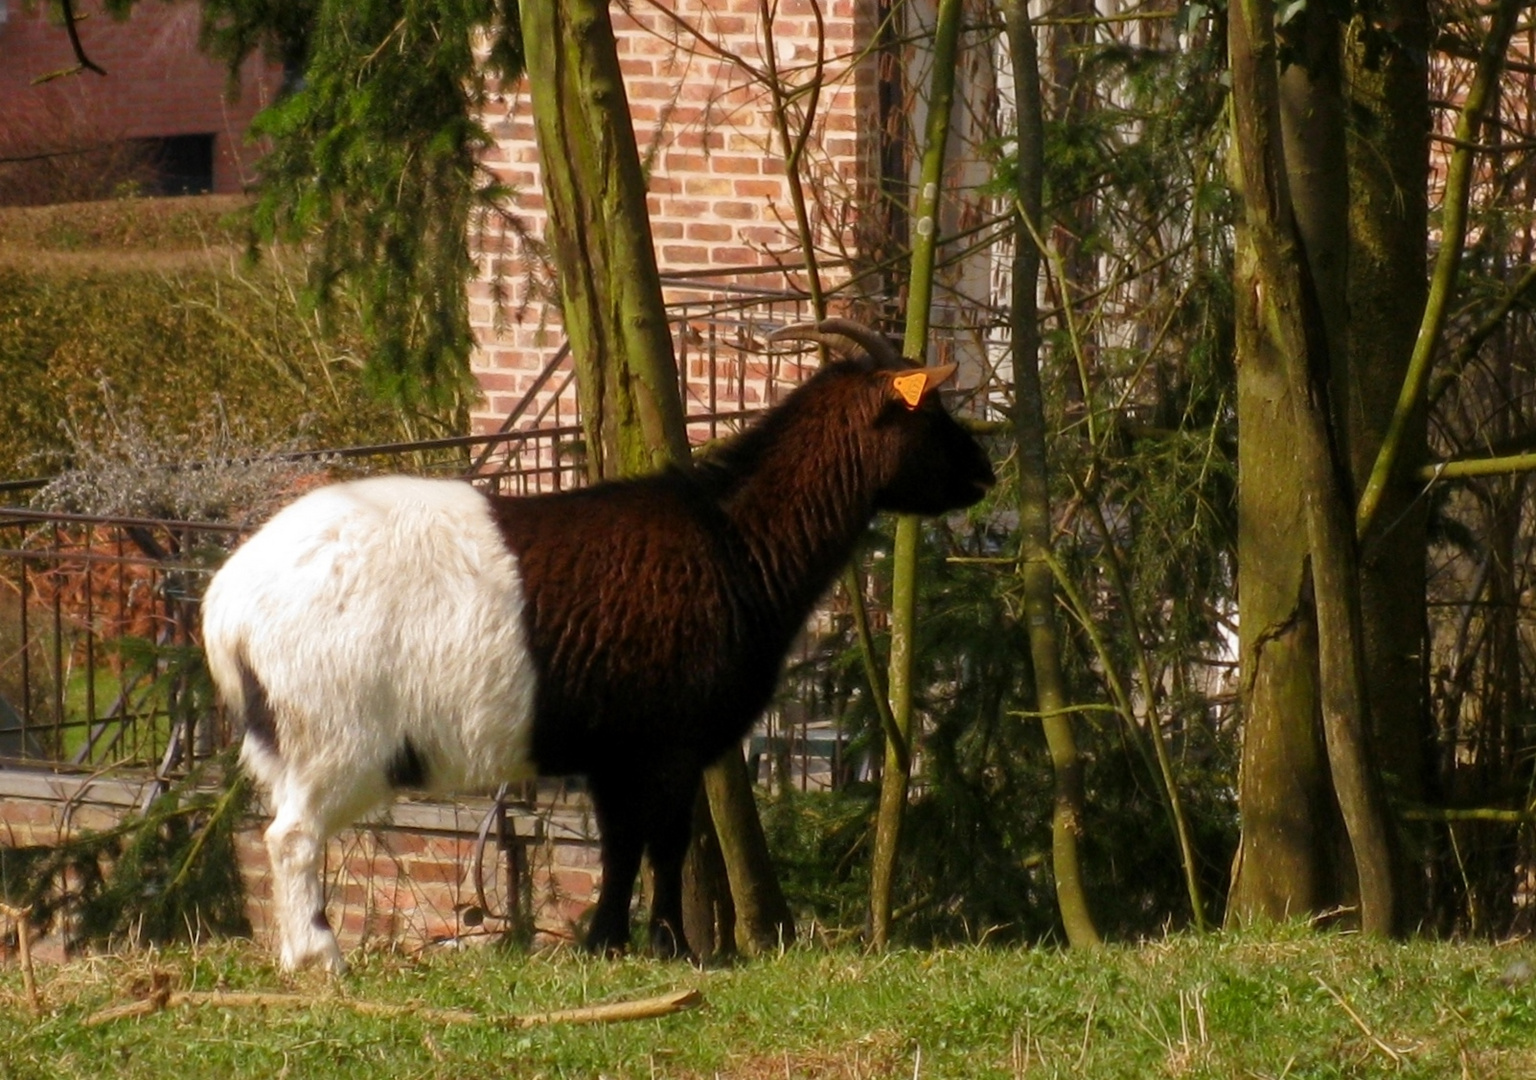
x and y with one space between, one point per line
667 944
322 952
605 947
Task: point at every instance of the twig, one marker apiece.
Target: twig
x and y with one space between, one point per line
1395 1055
19 916
82 62
1093 1005
143 1007
642 1009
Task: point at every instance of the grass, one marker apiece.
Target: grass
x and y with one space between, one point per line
1294 1005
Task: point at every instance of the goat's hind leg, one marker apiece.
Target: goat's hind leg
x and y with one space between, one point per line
296 845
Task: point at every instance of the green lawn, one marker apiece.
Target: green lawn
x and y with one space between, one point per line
1291 1005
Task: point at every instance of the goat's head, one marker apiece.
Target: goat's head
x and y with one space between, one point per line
929 464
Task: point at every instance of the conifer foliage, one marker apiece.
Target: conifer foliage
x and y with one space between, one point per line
374 163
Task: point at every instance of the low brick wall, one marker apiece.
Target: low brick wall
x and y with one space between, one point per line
429 872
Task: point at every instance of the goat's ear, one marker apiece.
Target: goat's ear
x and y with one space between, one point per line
910 387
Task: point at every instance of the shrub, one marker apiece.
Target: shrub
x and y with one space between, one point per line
134 308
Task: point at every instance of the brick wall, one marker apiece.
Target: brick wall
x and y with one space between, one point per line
157 84
718 198
720 209
424 876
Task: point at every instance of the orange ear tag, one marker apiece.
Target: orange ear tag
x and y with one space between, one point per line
910 387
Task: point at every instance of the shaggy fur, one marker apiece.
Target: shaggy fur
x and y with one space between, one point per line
371 634
397 632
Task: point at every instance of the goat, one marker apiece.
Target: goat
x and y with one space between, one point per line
394 633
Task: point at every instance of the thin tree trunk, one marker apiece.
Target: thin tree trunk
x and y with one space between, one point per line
1034 494
709 916
1289 851
1442 286
1280 305
610 292
896 776
1387 89
612 308
763 918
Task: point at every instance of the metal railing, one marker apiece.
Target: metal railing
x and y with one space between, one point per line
99 665
726 376
100 668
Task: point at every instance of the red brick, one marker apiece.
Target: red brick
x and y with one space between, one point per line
635 69
707 185
683 254
734 209
710 231
424 871
685 161
576 884
687 208
769 189
735 256
26 812
736 163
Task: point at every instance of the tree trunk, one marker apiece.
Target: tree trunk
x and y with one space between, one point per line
763 918
709 916
1290 829
1034 494
1283 305
611 304
610 291
896 771
1290 838
1388 95
896 776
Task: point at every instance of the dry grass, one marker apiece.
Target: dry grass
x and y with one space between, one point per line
119 228
145 308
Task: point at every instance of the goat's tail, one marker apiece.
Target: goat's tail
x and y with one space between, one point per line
241 695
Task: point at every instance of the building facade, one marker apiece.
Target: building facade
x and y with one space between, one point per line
718 90
164 119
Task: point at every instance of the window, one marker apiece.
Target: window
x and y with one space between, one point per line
178 164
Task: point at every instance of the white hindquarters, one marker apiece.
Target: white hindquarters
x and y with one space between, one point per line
382 621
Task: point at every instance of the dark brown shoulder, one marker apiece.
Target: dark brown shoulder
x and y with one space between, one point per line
603 512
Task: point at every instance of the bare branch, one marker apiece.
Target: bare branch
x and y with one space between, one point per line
82 62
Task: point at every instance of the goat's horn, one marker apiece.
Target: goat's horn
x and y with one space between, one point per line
841 334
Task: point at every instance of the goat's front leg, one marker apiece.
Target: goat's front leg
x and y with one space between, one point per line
619 811
671 828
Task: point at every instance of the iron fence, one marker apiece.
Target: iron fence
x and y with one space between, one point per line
99 662
100 666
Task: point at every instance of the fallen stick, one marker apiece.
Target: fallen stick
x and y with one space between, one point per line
19 916
615 1012
612 1013
143 1007
1395 1055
